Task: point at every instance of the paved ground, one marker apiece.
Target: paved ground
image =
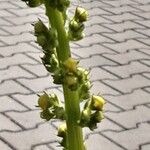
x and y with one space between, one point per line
116 49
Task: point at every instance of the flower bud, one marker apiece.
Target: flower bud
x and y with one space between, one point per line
42 41
39 27
71 64
81 14
76 26
46 114
43 101
72 82
62 130
97 103
97 116
33 3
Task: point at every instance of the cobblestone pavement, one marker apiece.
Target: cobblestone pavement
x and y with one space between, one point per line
117 51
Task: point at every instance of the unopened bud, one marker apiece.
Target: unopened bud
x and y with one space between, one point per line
97 103
41 40
62 130
81 14
71 64
43 101
39 27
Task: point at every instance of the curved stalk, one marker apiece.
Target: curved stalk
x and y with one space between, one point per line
74 132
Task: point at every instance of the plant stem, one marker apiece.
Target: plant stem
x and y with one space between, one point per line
72 107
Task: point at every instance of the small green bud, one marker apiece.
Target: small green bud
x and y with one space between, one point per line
62 130
46 114
81 14
39 27
33 3
58 76
43 101
97 116
41 40
72 82
97 103
71 64
76 26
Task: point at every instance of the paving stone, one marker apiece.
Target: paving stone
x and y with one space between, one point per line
27 11
5 13
10 87
145 50
38 84
123 36
41 147
142 2
138 115
97 142
119 3
145 32
142 15
126 45
103 89
146 62
135 136
15 60
4 146
19 48
28 100
8 104
8 125
3 33
3 22
123 26
122 18
146 147
18 29
6 5
100 74
39 70
95 61
128 69
97 20
94 39
132 83
92 50
96 29
128 101
144 8
14 72
54 146
26 139
121 10
145 23
27 119
146 41
127 57
12 40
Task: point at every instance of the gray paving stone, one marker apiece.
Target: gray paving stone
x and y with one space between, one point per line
8 124
28 100
127 57
95 61
146 147
100 74
6 5
27 119
126 45
5 13
92 50
16 59
18 29
138 115
14 72
10 87
143 14
3 22
146 51
19 48
38 84
129 84
94 39
128 69
12 40
123 26
102 89
120 3
123 36
143 7
130 139
97 142
4 146
41 147
26 139
122 18
129 101
145 23
8 104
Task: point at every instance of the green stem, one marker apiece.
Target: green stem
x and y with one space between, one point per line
72 107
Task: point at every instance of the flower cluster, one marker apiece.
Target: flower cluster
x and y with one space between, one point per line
92 112
51 107
76 24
